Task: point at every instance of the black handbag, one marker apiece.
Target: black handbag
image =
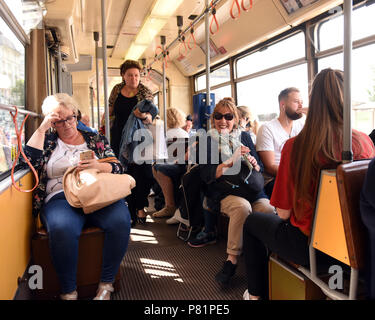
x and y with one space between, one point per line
247 181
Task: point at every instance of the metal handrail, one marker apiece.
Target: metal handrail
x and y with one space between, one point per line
22 111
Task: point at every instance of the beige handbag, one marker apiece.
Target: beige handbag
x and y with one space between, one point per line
92 190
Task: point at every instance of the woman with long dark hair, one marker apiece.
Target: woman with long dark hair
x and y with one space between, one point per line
318 145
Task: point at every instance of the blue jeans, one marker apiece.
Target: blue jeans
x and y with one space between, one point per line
64 225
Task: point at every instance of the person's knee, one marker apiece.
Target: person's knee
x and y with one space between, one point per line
263 205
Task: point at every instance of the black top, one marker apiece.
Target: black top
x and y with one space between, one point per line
123 107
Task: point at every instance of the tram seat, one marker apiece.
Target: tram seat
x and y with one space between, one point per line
89 263
337 228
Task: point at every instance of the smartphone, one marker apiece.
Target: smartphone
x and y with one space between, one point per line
86 155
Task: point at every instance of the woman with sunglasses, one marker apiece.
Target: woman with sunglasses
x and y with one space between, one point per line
53 148
224 121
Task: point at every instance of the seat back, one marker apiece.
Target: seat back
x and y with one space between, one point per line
350 178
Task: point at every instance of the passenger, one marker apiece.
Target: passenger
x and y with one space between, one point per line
188 127
273 134
318 145
140 169
248 122
367 205
51 152
175 122
169 176
224 120
123 98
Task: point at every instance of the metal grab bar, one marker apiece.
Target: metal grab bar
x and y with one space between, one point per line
13 109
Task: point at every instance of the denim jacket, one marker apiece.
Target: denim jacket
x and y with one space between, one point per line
39 159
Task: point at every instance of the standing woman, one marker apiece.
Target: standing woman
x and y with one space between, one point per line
52 154
318 145
124 97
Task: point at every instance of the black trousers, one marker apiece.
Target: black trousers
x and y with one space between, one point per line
264 233
144 180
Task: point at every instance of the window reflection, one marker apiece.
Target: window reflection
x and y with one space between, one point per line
362 86
261 93
273 55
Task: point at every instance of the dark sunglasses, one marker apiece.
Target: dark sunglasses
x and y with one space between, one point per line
227 116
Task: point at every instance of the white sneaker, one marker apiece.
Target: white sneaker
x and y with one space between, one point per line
172 220
246 295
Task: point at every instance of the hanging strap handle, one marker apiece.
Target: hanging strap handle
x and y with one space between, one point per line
234 17
214 19
20 151
246 8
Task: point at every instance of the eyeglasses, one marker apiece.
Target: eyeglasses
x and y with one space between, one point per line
227 116
69 120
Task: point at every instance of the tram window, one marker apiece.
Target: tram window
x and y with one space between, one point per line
29 13
12 92
261 93
217 76
156 99
363 85
289 49
331 32
222 92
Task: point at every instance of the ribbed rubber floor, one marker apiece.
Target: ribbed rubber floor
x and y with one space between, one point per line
159 266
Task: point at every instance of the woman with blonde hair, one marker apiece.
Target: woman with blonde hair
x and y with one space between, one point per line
168 175
248 121
318 145
52 152
175 122
237 203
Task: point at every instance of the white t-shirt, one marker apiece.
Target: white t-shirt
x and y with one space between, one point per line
272 136
159 146
63 157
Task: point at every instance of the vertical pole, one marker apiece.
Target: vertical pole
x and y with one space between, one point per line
92 107
347 154
96 38
104 56
208 62
162 40
59 70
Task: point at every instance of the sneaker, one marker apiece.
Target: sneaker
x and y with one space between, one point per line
175 218
226 273
165 212
246 295
202 239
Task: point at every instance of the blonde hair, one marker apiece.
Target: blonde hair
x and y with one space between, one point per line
175 118
56 100
244 112
227 102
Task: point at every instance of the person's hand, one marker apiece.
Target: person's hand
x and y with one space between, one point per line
240 151
48 121
253 162
90 164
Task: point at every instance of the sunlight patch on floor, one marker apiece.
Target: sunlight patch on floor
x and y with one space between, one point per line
158 269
